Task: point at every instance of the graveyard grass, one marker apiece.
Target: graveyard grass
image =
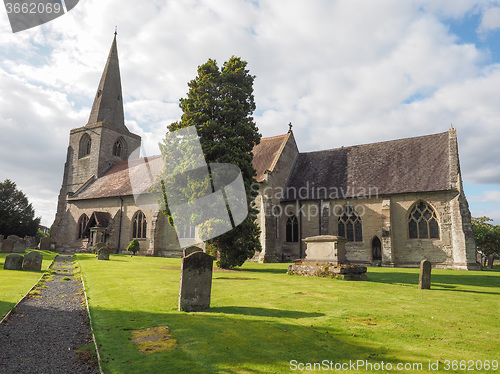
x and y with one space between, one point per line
261 318
14 284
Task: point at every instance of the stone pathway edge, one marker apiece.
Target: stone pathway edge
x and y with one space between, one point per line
7 315
91 324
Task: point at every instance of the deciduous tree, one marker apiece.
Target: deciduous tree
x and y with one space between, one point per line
487 236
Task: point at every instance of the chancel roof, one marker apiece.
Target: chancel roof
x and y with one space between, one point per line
418 164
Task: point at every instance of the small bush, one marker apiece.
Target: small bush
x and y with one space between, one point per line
134 246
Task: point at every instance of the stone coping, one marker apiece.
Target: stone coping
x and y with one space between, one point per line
323 238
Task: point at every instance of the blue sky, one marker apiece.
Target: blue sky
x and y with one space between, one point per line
344 72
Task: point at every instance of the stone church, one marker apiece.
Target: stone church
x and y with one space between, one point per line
396 202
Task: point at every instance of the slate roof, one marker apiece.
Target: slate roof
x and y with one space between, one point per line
266 153
418 164
118 179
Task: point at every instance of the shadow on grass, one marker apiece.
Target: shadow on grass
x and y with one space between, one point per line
263 312
458 281
232 343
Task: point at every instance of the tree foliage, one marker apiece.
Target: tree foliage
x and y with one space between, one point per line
134 246
220 104
17 216
487 236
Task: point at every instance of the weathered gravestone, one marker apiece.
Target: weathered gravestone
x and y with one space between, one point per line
196 282
187 251
33 261
491 259
30 242
19 246
45 244
424 281
99 246
103 253
8 245
13 261
1 241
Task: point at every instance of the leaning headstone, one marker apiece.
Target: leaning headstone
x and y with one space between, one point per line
424 281
30 242
33 261
196 282
8 245
103 253
19 246
45 244
13 261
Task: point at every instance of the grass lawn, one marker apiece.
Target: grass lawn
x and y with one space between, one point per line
14 284
261 319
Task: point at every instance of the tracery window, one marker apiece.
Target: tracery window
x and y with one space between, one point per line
82 224
350 225
139 226
423 222
292 229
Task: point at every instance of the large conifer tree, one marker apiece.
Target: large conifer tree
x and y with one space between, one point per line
17 216
220 103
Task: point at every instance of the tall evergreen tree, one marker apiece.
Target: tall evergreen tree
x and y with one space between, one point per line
220 103
17 216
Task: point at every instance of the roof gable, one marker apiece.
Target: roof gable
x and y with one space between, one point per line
267 153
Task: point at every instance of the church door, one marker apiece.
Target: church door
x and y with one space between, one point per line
376 249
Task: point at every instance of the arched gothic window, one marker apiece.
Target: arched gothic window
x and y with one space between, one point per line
85 145
118 148
139 226
423 222
292 229
350 225
82 223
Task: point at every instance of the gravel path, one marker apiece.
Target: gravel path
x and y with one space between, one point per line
45 331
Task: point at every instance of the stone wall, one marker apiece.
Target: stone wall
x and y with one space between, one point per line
269 196
80 170
161 238
387 219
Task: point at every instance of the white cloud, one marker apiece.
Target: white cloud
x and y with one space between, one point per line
487 196
490 21
342 73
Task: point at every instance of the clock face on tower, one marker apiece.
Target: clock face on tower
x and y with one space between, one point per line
25 14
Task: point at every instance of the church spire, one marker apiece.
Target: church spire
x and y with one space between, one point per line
108 102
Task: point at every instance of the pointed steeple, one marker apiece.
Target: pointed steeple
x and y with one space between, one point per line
108 102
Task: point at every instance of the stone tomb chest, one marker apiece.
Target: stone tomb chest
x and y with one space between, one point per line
326 257
325 249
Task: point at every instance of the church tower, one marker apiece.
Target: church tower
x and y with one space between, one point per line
104 140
